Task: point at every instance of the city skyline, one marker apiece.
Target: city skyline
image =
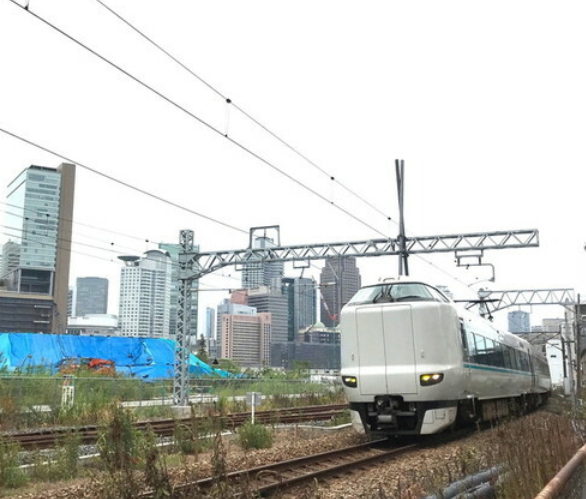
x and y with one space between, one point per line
490 129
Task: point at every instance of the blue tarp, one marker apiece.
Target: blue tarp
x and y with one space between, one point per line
146 358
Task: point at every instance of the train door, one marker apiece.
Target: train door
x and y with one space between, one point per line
531 366
467 352
386 350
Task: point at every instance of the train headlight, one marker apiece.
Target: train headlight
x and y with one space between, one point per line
431 379
350 381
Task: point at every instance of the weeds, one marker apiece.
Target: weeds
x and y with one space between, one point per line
156 473
119 445
254 436
11 475
61 464
220 489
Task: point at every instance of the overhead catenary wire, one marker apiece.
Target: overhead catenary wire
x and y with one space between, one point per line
249 151
192 115
27 141
59 245
121 182
95 227
230 102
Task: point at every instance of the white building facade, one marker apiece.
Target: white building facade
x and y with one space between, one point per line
145 293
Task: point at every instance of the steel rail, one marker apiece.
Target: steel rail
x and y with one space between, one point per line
49 437
271 477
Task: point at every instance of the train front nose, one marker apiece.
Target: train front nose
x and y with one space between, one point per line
386 350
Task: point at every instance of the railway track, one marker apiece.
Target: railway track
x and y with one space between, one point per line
279 476
50 437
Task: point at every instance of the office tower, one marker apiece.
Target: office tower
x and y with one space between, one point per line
246 339
39 212
71 298
272 301
210 323
226 307
145 289
173 250
262 273
339 281
519 321
91 296
10 258
20 313
301 296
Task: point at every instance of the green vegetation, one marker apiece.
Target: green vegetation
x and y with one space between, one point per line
11 475
254 436
61 464
35 400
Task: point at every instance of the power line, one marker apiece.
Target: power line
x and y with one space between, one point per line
236 106
95 227
121 182
249 151
197 118
110 243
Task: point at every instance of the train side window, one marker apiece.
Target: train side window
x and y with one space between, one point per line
481 354
525 362
464 341
471 346
500 354
517 360
507 357
490 349
513 359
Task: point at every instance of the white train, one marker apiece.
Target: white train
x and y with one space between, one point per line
414 362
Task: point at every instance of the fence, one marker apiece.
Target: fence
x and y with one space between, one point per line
33 400
570 482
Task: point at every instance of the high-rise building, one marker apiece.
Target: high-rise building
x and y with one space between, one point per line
339 280
145 289
226 307
210 323
91 296
71 297
301 296
246 339
272 301
519 321
39 212
262 273
173 250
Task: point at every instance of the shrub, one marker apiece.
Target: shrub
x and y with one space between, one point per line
11 476
254 436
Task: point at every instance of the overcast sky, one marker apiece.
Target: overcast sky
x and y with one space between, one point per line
485 102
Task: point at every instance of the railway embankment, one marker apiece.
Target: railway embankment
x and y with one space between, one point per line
531 450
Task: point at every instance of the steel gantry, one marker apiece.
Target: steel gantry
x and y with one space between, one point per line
500 300
194 265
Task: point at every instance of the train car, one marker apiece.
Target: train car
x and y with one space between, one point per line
415 362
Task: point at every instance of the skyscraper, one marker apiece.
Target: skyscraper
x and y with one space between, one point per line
226 307
519 321
246 339
210 323
39 212
340 280
91 296
145 295
301 296
272 301
262 273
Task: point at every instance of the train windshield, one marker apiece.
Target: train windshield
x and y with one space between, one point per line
397 292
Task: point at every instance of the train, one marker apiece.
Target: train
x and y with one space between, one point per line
414 362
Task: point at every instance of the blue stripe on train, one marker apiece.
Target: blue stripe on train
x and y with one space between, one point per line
496 369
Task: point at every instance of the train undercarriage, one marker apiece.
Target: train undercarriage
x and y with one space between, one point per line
392 415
